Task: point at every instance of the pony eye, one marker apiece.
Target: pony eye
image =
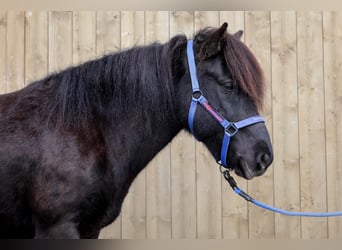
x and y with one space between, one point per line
229 86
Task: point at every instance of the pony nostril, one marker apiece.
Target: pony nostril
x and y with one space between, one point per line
264 160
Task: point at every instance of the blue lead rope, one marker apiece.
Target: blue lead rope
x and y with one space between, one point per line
248 198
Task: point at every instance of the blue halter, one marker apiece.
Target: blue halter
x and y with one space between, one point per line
230 128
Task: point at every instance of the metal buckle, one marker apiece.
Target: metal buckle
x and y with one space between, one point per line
196 95
231 130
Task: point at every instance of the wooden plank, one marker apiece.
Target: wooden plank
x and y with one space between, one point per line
132 28
209 200
234 211
134 207
183 156
15 50
3 78
107 32
84 36
36 45
107 41
333 105
261 223
311 126
285 122
158 179
235 20
60 40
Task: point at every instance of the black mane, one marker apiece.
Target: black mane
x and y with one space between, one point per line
138 79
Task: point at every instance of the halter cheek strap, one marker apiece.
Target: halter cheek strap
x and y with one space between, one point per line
230 128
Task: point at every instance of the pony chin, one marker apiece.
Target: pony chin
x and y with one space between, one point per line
244 172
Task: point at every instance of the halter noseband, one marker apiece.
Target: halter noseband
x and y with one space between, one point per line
230 128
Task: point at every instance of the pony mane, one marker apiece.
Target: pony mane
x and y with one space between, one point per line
242 65
138 79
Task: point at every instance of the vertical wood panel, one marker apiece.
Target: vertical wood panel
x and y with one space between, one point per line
261 223
84 36
107 41
107 32
235 211
209 202
158 182
36 45
60 40
134 207
3 24
285 122
333 106
311 126
15 50
183 157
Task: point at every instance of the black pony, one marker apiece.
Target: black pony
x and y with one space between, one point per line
71 144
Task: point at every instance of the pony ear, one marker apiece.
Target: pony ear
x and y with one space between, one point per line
238 34
214 42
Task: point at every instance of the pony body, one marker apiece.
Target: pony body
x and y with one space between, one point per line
72 143
68 132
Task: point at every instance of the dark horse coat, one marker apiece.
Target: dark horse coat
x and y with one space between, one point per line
72 143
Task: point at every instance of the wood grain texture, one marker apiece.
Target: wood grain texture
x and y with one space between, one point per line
15 50
333 117
258 31
60 40
36 45
311 122
84 36
108 28
3 45
285 122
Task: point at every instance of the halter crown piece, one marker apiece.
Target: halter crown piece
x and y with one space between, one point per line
230 128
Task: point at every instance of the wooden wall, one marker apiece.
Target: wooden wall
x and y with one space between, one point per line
181 193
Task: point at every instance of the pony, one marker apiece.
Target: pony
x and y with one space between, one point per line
72 143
